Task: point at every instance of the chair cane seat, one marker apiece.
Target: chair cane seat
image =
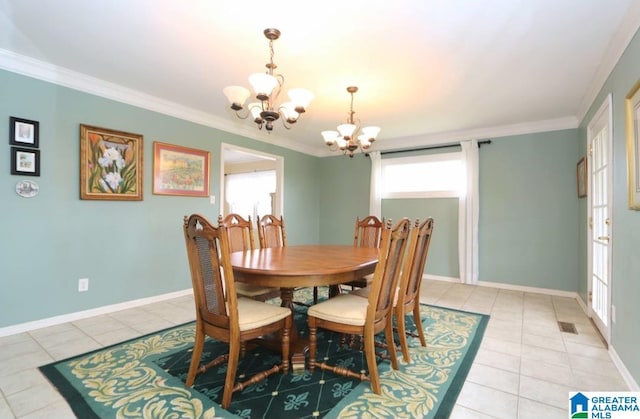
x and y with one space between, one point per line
343 308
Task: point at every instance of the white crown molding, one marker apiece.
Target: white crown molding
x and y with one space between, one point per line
61 76
40 70
615 49
480 133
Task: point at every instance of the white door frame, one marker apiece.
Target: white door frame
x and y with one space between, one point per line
603 117
279 164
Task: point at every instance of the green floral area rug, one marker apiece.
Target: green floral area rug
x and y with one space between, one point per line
144 377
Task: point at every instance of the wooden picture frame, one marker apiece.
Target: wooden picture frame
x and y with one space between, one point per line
24 132
581 177
180 171
633 145
25 161
110 164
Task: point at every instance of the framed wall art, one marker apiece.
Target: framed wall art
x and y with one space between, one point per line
25 161
180 170
581 177
110 164
23 132
633 146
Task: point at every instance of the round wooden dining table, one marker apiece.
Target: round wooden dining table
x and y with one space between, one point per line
292 267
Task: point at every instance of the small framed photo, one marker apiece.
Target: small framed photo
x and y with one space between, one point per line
25 161
180 170
23 132
581 177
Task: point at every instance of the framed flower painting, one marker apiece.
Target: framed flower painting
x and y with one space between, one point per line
110 164
180 170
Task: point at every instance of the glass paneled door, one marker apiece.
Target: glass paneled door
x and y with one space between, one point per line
600 201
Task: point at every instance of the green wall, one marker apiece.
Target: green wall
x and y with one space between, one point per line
528 224
128 250
625 234
442 259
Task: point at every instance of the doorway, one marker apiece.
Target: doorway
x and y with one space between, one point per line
251 182
600 198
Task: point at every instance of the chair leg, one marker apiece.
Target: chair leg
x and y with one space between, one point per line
418 321
315 295
286 345
370 355
388 332
402 334
312 343
195 356
232 366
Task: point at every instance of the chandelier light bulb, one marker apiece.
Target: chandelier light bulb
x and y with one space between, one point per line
330 137
346 130
301 98
263 84
236 95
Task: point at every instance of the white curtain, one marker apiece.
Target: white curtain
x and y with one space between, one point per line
375 194
468 215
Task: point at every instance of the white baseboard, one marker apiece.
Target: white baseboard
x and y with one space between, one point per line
624 372
52 321
628 378
441 278
523 288
622 369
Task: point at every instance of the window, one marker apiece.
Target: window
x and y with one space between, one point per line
428 176
250 193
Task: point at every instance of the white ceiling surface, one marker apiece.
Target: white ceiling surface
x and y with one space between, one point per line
428 71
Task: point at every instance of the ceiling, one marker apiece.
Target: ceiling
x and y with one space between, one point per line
428 71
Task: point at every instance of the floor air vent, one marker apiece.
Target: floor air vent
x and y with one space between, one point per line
568 327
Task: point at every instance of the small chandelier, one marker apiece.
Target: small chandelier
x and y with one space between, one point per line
348 138
267 87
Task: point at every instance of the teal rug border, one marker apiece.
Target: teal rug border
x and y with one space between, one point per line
82 409
459 379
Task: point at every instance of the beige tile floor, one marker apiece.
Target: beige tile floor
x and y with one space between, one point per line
525 367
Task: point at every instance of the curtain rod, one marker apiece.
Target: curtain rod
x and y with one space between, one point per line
434 147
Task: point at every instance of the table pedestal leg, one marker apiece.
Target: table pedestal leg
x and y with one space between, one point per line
299 345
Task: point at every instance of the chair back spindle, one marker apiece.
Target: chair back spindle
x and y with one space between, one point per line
271 231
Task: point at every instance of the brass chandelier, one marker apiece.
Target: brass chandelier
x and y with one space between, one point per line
266 87
350 137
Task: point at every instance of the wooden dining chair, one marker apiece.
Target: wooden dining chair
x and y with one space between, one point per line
241 238
408 292
220 314
271 233
354 315
367 234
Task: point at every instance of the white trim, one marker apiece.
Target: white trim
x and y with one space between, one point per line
78 315
453 137
583 305
524 288
441 278
61 76
30 67
619 43
628 378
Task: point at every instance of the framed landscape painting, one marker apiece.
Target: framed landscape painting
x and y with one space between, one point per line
110 164
180 170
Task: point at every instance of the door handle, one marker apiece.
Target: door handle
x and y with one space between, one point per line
606 238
